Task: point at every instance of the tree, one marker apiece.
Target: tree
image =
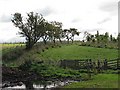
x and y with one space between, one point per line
45 32
97 36
118 39
66 33
56 31
111 38
73 32
31 28
87 36
70 33
106 37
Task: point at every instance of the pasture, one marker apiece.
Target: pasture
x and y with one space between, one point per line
98 81
15 53
10 45
72 52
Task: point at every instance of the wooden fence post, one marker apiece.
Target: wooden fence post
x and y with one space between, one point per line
118 64
105 64
98 66
88 69
94 68
90 64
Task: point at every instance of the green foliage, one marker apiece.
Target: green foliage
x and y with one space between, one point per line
26 65
11 52
70 33
36 27
31 28
54 72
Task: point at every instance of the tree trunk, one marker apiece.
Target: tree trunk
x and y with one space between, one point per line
68 41
54 40
44 41
29 43
29 85
60 40
72 40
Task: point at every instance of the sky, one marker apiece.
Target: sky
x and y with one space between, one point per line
84 15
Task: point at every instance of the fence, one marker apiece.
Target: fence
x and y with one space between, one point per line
91 64
113 64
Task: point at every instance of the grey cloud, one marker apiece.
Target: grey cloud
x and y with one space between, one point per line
5 18
46 11
105 20
92 30
75 20
110 7
16 39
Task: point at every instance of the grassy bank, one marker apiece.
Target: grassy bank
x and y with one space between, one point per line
98 81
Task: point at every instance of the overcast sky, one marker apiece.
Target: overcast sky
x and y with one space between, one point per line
85 15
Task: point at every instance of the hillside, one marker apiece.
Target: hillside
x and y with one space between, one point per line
15 54
72 52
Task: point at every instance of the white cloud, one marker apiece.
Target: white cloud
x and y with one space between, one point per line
5 18
110 7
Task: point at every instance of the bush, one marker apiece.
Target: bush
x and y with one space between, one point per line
53 72
43 50
46 47
52 46
26 65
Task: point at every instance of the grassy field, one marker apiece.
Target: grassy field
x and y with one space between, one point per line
15 54
98 81
72 52
10 45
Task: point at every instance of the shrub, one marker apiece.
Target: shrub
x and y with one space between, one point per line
43 50
52 46
46 47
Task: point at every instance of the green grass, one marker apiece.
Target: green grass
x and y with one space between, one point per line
16 56
98 81
72 52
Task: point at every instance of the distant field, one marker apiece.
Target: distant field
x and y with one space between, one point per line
99 81
5 48
72 52
10 45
